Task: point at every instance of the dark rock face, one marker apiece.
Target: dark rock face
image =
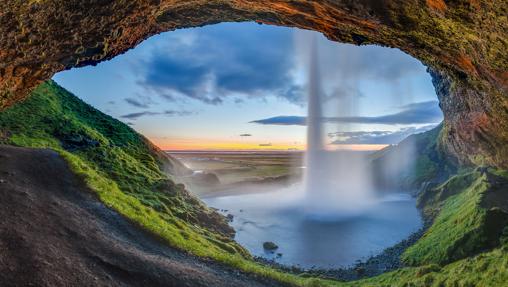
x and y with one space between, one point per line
54 232
464 41
270 246
77 142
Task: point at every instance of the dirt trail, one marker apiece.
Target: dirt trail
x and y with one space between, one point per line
54 232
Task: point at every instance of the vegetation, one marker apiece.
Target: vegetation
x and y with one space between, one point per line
241 167
460 227
416 161
487 269
126 172
118 163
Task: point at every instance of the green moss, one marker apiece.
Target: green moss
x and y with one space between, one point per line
428 163
462 225
119 165
430 200
115 155
488 269
431 163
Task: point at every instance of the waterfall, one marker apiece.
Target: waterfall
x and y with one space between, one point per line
337 183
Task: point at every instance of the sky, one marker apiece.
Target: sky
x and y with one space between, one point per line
243 86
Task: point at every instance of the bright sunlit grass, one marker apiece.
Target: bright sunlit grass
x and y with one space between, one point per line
118 167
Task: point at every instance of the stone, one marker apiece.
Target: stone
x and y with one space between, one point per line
270 246
462 42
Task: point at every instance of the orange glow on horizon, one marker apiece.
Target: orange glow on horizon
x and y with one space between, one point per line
217 145
223 145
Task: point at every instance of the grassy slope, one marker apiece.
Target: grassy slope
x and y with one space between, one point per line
427 165
116 161
487 269
121 167
125 171
464 223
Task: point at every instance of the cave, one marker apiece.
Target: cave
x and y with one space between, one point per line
463 43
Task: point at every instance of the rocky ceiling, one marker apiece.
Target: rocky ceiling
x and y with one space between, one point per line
463 42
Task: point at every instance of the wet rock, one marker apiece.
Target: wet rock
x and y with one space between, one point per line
270 246
74 142
388 260
360 271
37 42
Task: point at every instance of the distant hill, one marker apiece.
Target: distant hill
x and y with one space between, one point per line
415 163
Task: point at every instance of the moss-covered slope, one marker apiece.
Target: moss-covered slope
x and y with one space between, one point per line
466 222
465 246
416 163
117 156
464 42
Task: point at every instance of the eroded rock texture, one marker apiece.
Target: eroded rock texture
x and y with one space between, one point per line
464 42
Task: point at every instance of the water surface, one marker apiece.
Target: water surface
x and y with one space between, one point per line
308 242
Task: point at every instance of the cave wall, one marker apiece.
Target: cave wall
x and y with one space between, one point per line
463 42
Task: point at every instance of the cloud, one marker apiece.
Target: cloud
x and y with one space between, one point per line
136 103
245 135
223 61
169 113
416 113
135 116
346 63
265 144
376 137
177 113
245 60
282 121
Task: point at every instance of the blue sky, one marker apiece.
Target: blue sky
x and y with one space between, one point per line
243 85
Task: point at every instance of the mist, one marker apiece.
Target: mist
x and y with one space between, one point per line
337 184
328 209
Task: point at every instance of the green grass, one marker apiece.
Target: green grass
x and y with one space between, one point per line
124 170
461 225
428 163
121 167
486 269
117 158
241 167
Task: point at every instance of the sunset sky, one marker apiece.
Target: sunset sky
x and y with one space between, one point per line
243 86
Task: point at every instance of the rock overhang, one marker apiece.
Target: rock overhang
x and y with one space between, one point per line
463 42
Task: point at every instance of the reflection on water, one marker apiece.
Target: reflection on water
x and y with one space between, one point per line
315 242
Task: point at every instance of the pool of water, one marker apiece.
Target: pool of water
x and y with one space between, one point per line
308 242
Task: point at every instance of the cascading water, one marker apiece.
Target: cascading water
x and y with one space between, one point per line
314 222
337 183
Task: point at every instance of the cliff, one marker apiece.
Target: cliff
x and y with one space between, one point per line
463 42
